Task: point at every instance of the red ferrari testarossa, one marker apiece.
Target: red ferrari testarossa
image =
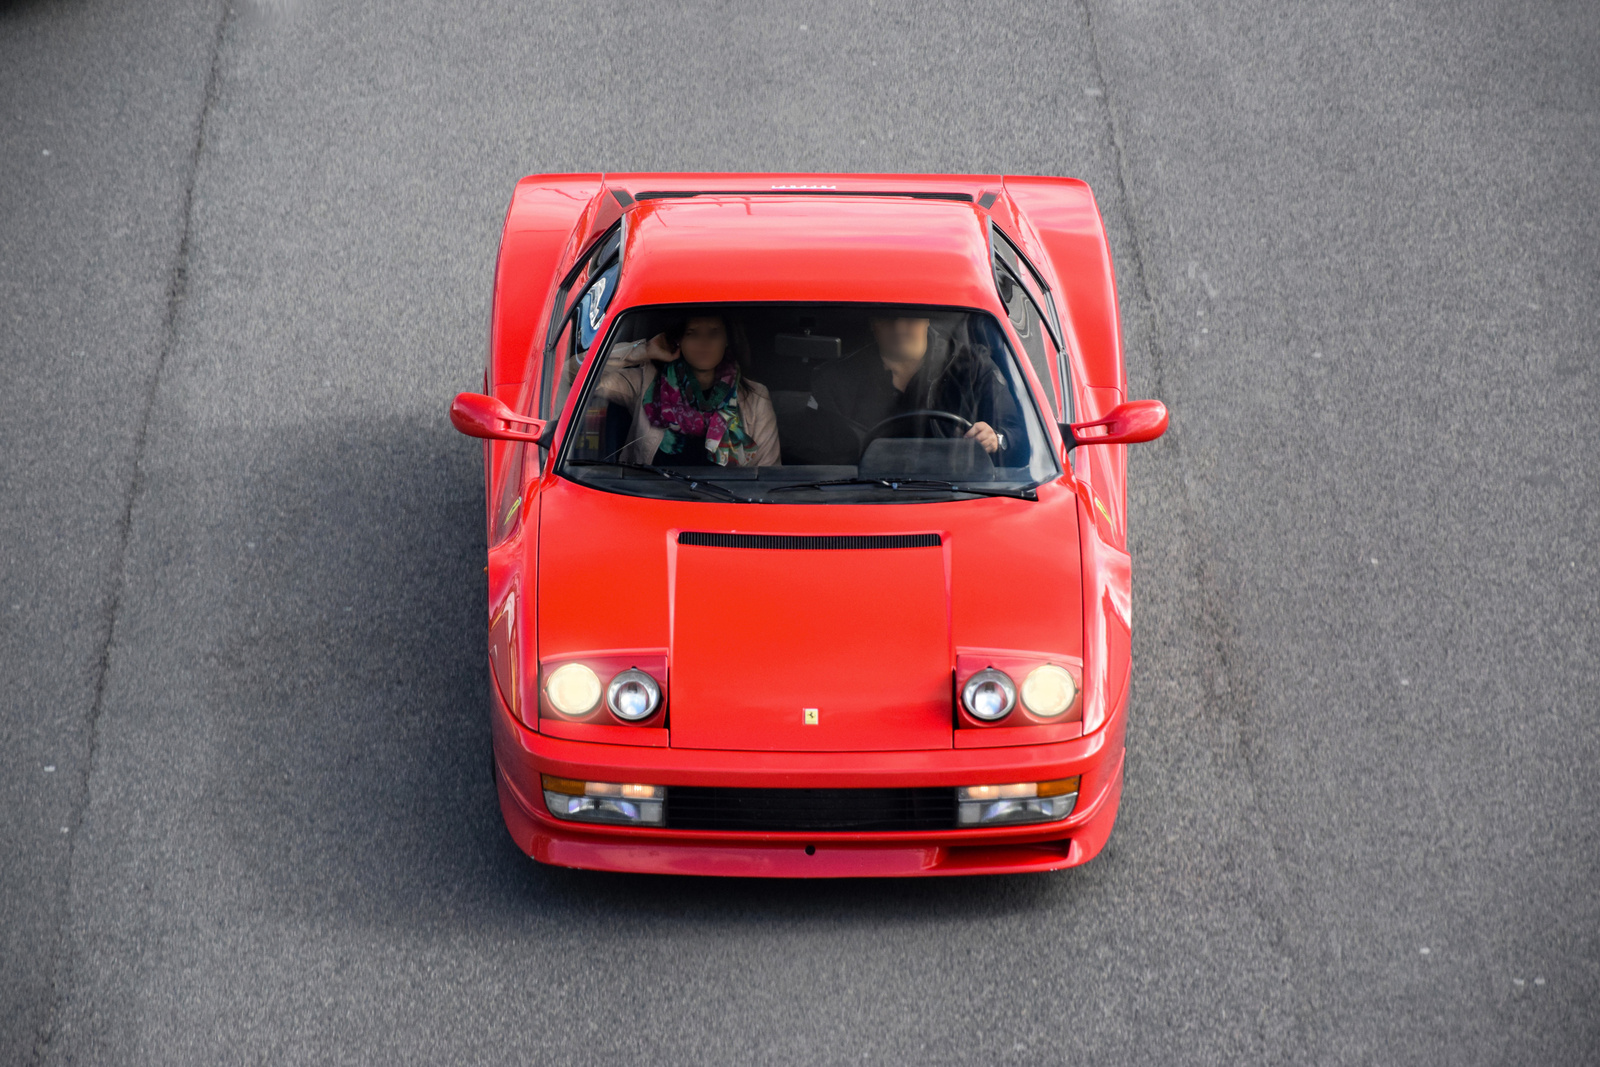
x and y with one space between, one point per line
807 523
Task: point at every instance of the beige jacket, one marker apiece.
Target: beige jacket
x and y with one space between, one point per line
627 377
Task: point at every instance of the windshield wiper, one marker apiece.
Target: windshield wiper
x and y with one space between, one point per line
913 483
689 480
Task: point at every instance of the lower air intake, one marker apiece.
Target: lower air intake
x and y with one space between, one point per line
817 810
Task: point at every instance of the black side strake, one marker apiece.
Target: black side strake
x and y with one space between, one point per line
824 542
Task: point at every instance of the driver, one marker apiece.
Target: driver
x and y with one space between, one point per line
911 369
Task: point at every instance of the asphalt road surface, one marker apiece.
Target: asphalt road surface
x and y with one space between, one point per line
245 256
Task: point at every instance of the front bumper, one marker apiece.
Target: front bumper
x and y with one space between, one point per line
522 755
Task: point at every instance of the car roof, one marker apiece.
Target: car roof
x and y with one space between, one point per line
846 247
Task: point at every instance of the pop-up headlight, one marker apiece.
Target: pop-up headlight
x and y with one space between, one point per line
633 695
573 689
605 688
608 802
1021 802
1048 691
1018 689
989 695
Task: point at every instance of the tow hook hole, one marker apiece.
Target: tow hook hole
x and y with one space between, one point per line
811 850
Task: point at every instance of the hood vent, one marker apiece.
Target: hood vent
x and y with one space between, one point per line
788 541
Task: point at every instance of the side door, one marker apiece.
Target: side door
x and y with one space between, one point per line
543 222
579 304
1061 212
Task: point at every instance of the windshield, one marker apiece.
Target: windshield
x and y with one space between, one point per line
806 403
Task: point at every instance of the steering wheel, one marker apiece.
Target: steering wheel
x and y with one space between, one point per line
874 432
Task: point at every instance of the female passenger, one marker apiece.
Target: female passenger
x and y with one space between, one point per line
690 401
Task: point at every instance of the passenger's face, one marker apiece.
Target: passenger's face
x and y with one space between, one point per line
705 342
901 338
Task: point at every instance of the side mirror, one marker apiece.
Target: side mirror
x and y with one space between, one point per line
477 415
1125 424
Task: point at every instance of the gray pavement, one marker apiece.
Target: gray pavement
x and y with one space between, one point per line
245 255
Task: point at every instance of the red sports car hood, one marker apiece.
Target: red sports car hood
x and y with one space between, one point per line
820 628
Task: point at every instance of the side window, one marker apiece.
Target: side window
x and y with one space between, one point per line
569 358
1032 313
592 308
1009 257
1029 324
583 297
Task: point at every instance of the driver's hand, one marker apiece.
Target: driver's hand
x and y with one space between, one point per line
986 437
657 349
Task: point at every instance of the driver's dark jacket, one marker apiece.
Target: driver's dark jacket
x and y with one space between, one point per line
953 378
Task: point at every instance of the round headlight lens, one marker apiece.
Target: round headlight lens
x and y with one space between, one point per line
633 695
573 689
989 695
1048 691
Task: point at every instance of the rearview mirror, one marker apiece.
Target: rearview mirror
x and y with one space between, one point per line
1125 424
477 415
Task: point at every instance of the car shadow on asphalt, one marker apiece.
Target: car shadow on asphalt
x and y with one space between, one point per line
352 666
